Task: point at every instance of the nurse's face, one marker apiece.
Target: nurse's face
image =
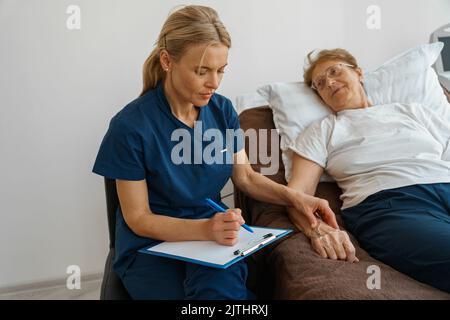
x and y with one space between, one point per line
192 80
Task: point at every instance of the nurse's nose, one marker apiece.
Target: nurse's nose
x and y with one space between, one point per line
213 81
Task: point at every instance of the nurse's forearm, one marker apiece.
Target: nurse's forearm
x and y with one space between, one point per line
300 221
166 228
263 189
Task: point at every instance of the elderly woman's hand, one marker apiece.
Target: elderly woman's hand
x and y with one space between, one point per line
332 243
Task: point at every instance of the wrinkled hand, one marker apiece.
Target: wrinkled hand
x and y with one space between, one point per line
332 243
309 206
224 226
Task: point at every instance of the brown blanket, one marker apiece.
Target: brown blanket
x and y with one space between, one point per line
290 269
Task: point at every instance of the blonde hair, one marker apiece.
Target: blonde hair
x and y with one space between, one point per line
326 55
186 26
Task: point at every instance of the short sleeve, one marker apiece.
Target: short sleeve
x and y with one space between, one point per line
234 127
121 153
312 142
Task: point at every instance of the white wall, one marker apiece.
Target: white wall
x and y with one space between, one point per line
59 89
404 24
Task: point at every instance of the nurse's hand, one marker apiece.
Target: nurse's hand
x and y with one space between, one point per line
309 206
224 227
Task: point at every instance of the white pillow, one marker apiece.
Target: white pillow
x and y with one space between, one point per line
295 106
249 100
407 77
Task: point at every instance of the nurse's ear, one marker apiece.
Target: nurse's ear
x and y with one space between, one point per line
166 60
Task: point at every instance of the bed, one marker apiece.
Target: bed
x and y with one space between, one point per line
290 269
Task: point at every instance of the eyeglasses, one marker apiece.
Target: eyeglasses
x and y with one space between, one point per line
331 72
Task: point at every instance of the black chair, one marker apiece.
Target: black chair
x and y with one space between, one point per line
112 287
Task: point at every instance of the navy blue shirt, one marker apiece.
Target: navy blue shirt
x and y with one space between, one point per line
145 141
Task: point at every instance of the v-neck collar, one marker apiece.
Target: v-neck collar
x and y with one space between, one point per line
165 107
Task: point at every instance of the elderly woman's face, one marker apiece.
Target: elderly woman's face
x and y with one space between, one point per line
339 85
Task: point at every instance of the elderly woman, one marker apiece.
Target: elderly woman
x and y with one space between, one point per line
389 162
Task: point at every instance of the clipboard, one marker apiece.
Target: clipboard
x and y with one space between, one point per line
212 254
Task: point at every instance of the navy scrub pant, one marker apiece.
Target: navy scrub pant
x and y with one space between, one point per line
159 278
407 228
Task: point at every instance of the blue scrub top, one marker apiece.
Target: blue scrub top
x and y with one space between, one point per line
138 146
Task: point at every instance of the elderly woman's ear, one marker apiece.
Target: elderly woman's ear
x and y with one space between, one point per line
360 73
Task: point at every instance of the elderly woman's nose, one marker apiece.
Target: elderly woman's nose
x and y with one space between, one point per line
330 81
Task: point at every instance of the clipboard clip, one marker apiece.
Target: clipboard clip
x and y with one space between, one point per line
266 238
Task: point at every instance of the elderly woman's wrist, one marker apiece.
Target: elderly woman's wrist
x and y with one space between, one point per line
317 232
306 229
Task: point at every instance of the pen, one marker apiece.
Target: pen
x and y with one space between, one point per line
215 206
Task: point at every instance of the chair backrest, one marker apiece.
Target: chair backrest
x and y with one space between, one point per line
112 203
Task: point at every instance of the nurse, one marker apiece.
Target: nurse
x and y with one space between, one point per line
163 199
